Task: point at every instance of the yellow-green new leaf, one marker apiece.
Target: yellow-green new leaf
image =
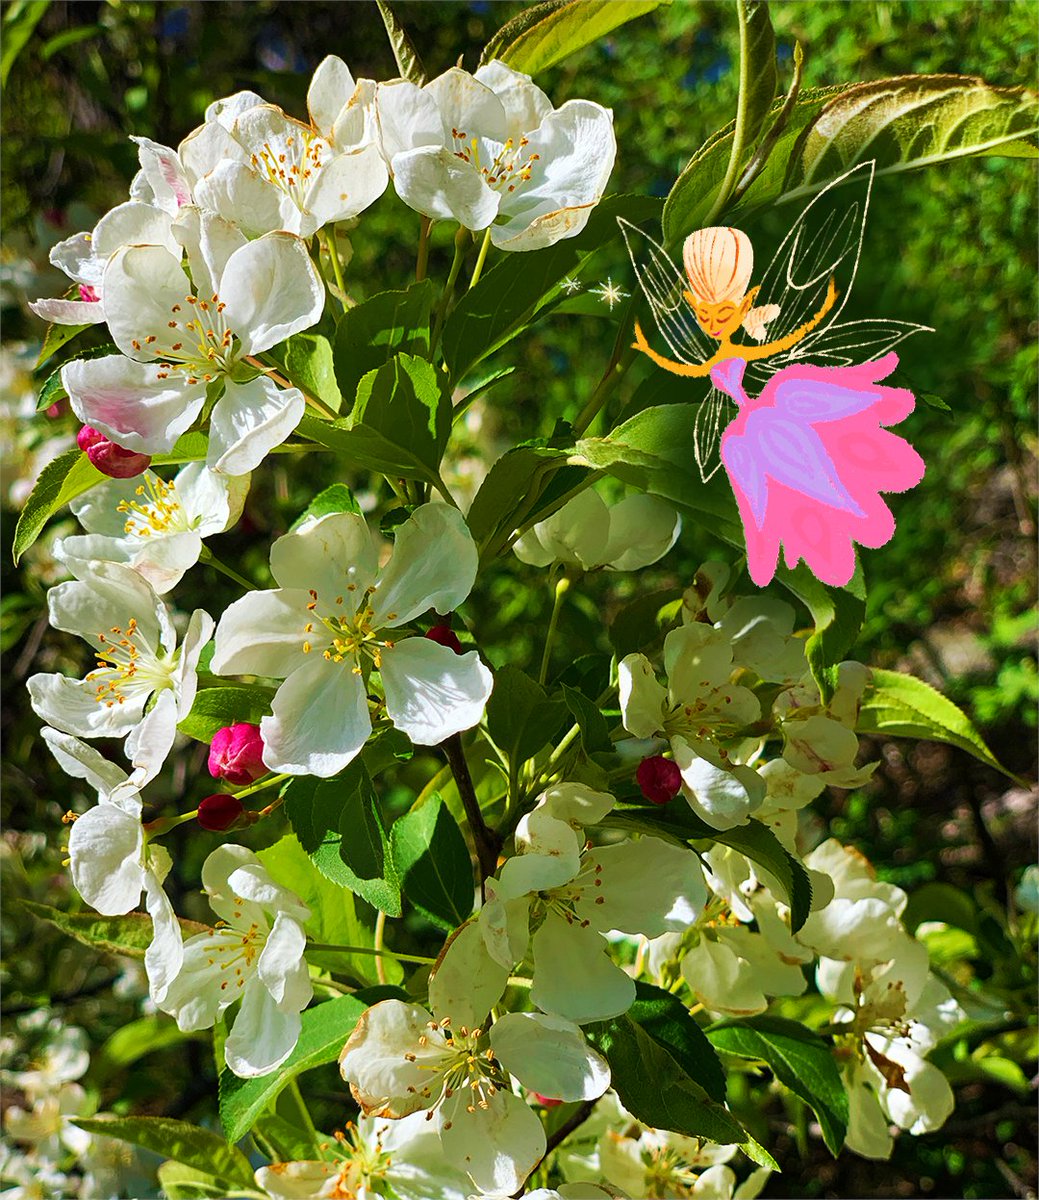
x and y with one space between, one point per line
545 34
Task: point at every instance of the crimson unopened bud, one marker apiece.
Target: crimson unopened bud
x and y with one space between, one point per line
88 294
444 635
218 813
110 459
546 1101
236 754
659 778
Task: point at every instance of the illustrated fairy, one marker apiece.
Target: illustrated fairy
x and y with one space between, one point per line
809 455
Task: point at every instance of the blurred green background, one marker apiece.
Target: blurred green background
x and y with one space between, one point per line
951 599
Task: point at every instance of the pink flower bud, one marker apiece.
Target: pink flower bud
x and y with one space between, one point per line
444 635
88 294
546 1101
218 813
236 754
110 459
659 778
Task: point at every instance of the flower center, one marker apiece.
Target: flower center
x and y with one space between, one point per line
196 340
160 513
563 900
125 658
290 163
234 951
510 166
352 634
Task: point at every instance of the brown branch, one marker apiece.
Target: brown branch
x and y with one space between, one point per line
487 842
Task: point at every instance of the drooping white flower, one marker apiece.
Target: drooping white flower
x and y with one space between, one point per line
153 525
111 859
138 664
405 1155
697 711
331 621
277 173
489 150
560 899
248 958
586 533
400 1061
180 337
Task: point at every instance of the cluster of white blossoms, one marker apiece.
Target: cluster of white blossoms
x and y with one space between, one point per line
586 895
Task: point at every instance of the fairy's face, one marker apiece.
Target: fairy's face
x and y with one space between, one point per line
721 320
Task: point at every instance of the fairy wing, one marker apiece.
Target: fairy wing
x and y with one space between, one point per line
711 418
663 286
825 242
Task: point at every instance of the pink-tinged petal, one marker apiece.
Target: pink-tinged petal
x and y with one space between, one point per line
68 312
131 403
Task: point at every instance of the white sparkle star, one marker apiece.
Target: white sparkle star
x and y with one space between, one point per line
570 286
609 293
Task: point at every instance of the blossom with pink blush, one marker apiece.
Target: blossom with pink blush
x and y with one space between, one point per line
236 754
114 461
808 459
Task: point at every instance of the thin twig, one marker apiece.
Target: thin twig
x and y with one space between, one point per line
487 842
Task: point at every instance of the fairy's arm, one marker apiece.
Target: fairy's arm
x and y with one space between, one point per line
752 352
690 370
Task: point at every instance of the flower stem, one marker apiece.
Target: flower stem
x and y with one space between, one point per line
296 1098
481 259
259 787
328 948
449 288
488 844
329 238
380 932
208 557
425 225
577 1118
561 589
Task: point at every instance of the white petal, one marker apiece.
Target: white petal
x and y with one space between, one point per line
129 403
75 256
721 980
435 183
504 925
263 634
71 705
577 534
142 287
211 502
642 697
165 956
467 104
431 692
110 595
331 87
263 1036
385 1083
868 1133
281 967
497 1146
722 798
248 421
245 199
549 1055
149 743
574 975
164 173
334 555
105 846
648 887
466 983
209 241
320 720
525 104
433 566
346 185
204 149
408 117
69 312
83 762
132 224
642 530
195 997
272 290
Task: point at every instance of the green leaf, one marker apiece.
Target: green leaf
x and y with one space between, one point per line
19 22
334 917
287 1140
838 614
185 1183
897 705
506 483
506 299
520 717
306 359
642 622
799 1059
671 1025
334 499
66 477
432 861
187 1144
408 62
325 1029
215 708
133 1041
339 825
191 447
595 730
372 332
655 1088
130 935
545 34
405 402
904 123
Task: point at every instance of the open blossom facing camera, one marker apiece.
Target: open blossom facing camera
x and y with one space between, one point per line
489 150
180 337
336 617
